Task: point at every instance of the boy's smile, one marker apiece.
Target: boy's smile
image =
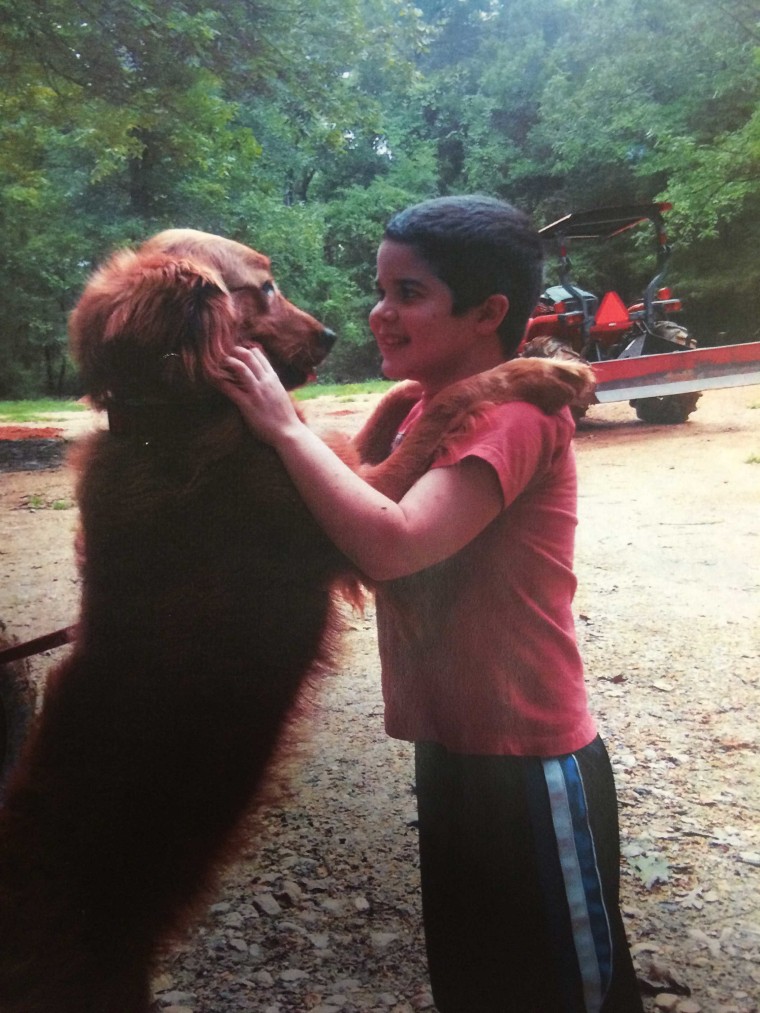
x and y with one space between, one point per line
418 335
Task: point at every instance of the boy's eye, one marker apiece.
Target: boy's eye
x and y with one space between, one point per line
401 292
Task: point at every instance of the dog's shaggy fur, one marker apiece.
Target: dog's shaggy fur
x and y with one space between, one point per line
207 599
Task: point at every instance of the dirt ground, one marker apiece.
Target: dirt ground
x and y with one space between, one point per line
321 912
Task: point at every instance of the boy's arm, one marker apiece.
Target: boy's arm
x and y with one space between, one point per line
440 514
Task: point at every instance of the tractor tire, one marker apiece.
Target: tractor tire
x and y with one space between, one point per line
665 411
674 408
18 699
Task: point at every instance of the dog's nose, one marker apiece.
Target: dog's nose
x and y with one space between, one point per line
327 339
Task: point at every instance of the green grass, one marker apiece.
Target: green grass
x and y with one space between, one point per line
36 501
40 410
345 391
753 459
36 411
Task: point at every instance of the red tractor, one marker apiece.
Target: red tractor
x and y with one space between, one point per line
571 322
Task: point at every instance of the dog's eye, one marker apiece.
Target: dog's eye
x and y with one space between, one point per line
269 289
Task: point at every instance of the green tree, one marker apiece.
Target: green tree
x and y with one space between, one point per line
125 116
299 126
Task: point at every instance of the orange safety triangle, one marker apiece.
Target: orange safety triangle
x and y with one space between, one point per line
612 311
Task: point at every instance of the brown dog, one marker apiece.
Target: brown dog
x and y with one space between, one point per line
207 599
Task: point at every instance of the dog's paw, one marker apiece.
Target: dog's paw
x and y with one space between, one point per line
551 384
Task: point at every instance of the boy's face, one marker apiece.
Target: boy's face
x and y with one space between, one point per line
416 331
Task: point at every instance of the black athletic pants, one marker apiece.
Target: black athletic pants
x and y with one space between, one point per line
519 860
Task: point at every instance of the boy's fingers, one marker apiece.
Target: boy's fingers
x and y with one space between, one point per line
253 358
246 353
235 370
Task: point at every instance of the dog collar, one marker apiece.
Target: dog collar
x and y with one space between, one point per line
145 419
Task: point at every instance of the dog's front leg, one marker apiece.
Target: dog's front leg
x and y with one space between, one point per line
416 452
546 383
372 443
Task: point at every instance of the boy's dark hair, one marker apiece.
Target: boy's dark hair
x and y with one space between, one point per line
478 246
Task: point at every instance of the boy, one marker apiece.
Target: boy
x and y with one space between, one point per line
519 851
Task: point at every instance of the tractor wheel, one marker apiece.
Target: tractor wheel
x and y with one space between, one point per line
666 411
674 408
17 708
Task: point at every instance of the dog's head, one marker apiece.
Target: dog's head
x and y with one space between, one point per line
157 322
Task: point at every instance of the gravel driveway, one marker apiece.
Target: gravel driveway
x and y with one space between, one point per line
321 912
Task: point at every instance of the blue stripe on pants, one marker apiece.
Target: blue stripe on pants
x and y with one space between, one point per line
519 863
577 857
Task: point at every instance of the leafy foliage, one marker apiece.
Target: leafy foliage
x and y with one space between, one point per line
299 126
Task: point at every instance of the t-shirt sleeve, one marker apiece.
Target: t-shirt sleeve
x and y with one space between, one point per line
517 439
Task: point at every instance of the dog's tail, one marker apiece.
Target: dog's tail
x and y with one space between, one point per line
150 323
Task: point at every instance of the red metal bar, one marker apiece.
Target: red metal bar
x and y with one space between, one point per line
729 356
678 372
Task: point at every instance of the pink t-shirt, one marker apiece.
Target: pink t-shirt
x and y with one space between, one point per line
479 652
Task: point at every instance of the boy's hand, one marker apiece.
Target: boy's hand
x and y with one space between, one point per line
252 384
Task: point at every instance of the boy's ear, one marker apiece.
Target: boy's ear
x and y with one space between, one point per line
492 311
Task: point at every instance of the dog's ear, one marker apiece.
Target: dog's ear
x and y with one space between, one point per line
150 324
